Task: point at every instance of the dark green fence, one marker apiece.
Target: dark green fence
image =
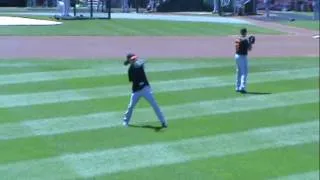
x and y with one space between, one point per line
201 5
184 5
13 3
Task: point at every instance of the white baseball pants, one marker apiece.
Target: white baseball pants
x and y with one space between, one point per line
146 92
241 71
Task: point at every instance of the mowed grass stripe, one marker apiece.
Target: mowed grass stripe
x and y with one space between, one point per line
140 156
96 72
71 108
16 65
114 62
90 164
113 80
58 67
312 175
27 66
7 101
37 147
61 125
110 68
258 165
118 79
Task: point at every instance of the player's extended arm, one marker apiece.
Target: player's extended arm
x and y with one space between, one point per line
130 77
139 62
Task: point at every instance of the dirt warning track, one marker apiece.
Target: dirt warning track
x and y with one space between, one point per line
107 47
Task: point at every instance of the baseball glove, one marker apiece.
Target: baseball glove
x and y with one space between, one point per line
252 39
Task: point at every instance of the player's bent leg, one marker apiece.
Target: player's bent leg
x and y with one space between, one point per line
133 102
150 98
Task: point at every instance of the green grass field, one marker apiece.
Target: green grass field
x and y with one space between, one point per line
61 119
121 27
312 25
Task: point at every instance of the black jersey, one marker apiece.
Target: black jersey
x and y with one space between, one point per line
242 46
137 75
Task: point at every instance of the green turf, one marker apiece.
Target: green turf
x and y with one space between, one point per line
96 105
113 80
261 164
113 104
241 166
256 65
121 27
182 128
312 25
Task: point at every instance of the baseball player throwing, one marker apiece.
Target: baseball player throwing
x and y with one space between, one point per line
140 88
242 45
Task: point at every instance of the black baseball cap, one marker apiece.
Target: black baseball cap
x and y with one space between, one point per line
129 57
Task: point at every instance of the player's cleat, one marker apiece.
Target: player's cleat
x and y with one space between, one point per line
125 124
243 91
164 125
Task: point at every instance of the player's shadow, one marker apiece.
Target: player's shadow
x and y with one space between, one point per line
155 128
258 93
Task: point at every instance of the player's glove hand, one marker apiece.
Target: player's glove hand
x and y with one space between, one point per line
252 39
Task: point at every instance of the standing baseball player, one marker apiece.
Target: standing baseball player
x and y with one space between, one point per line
125 6
215 6
267 8
242 45
151 6
66 7
140 88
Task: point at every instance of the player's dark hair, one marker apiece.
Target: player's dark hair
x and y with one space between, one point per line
243 31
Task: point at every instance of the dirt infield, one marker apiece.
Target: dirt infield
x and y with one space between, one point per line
298 42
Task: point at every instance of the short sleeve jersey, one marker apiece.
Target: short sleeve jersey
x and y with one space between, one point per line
137 75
